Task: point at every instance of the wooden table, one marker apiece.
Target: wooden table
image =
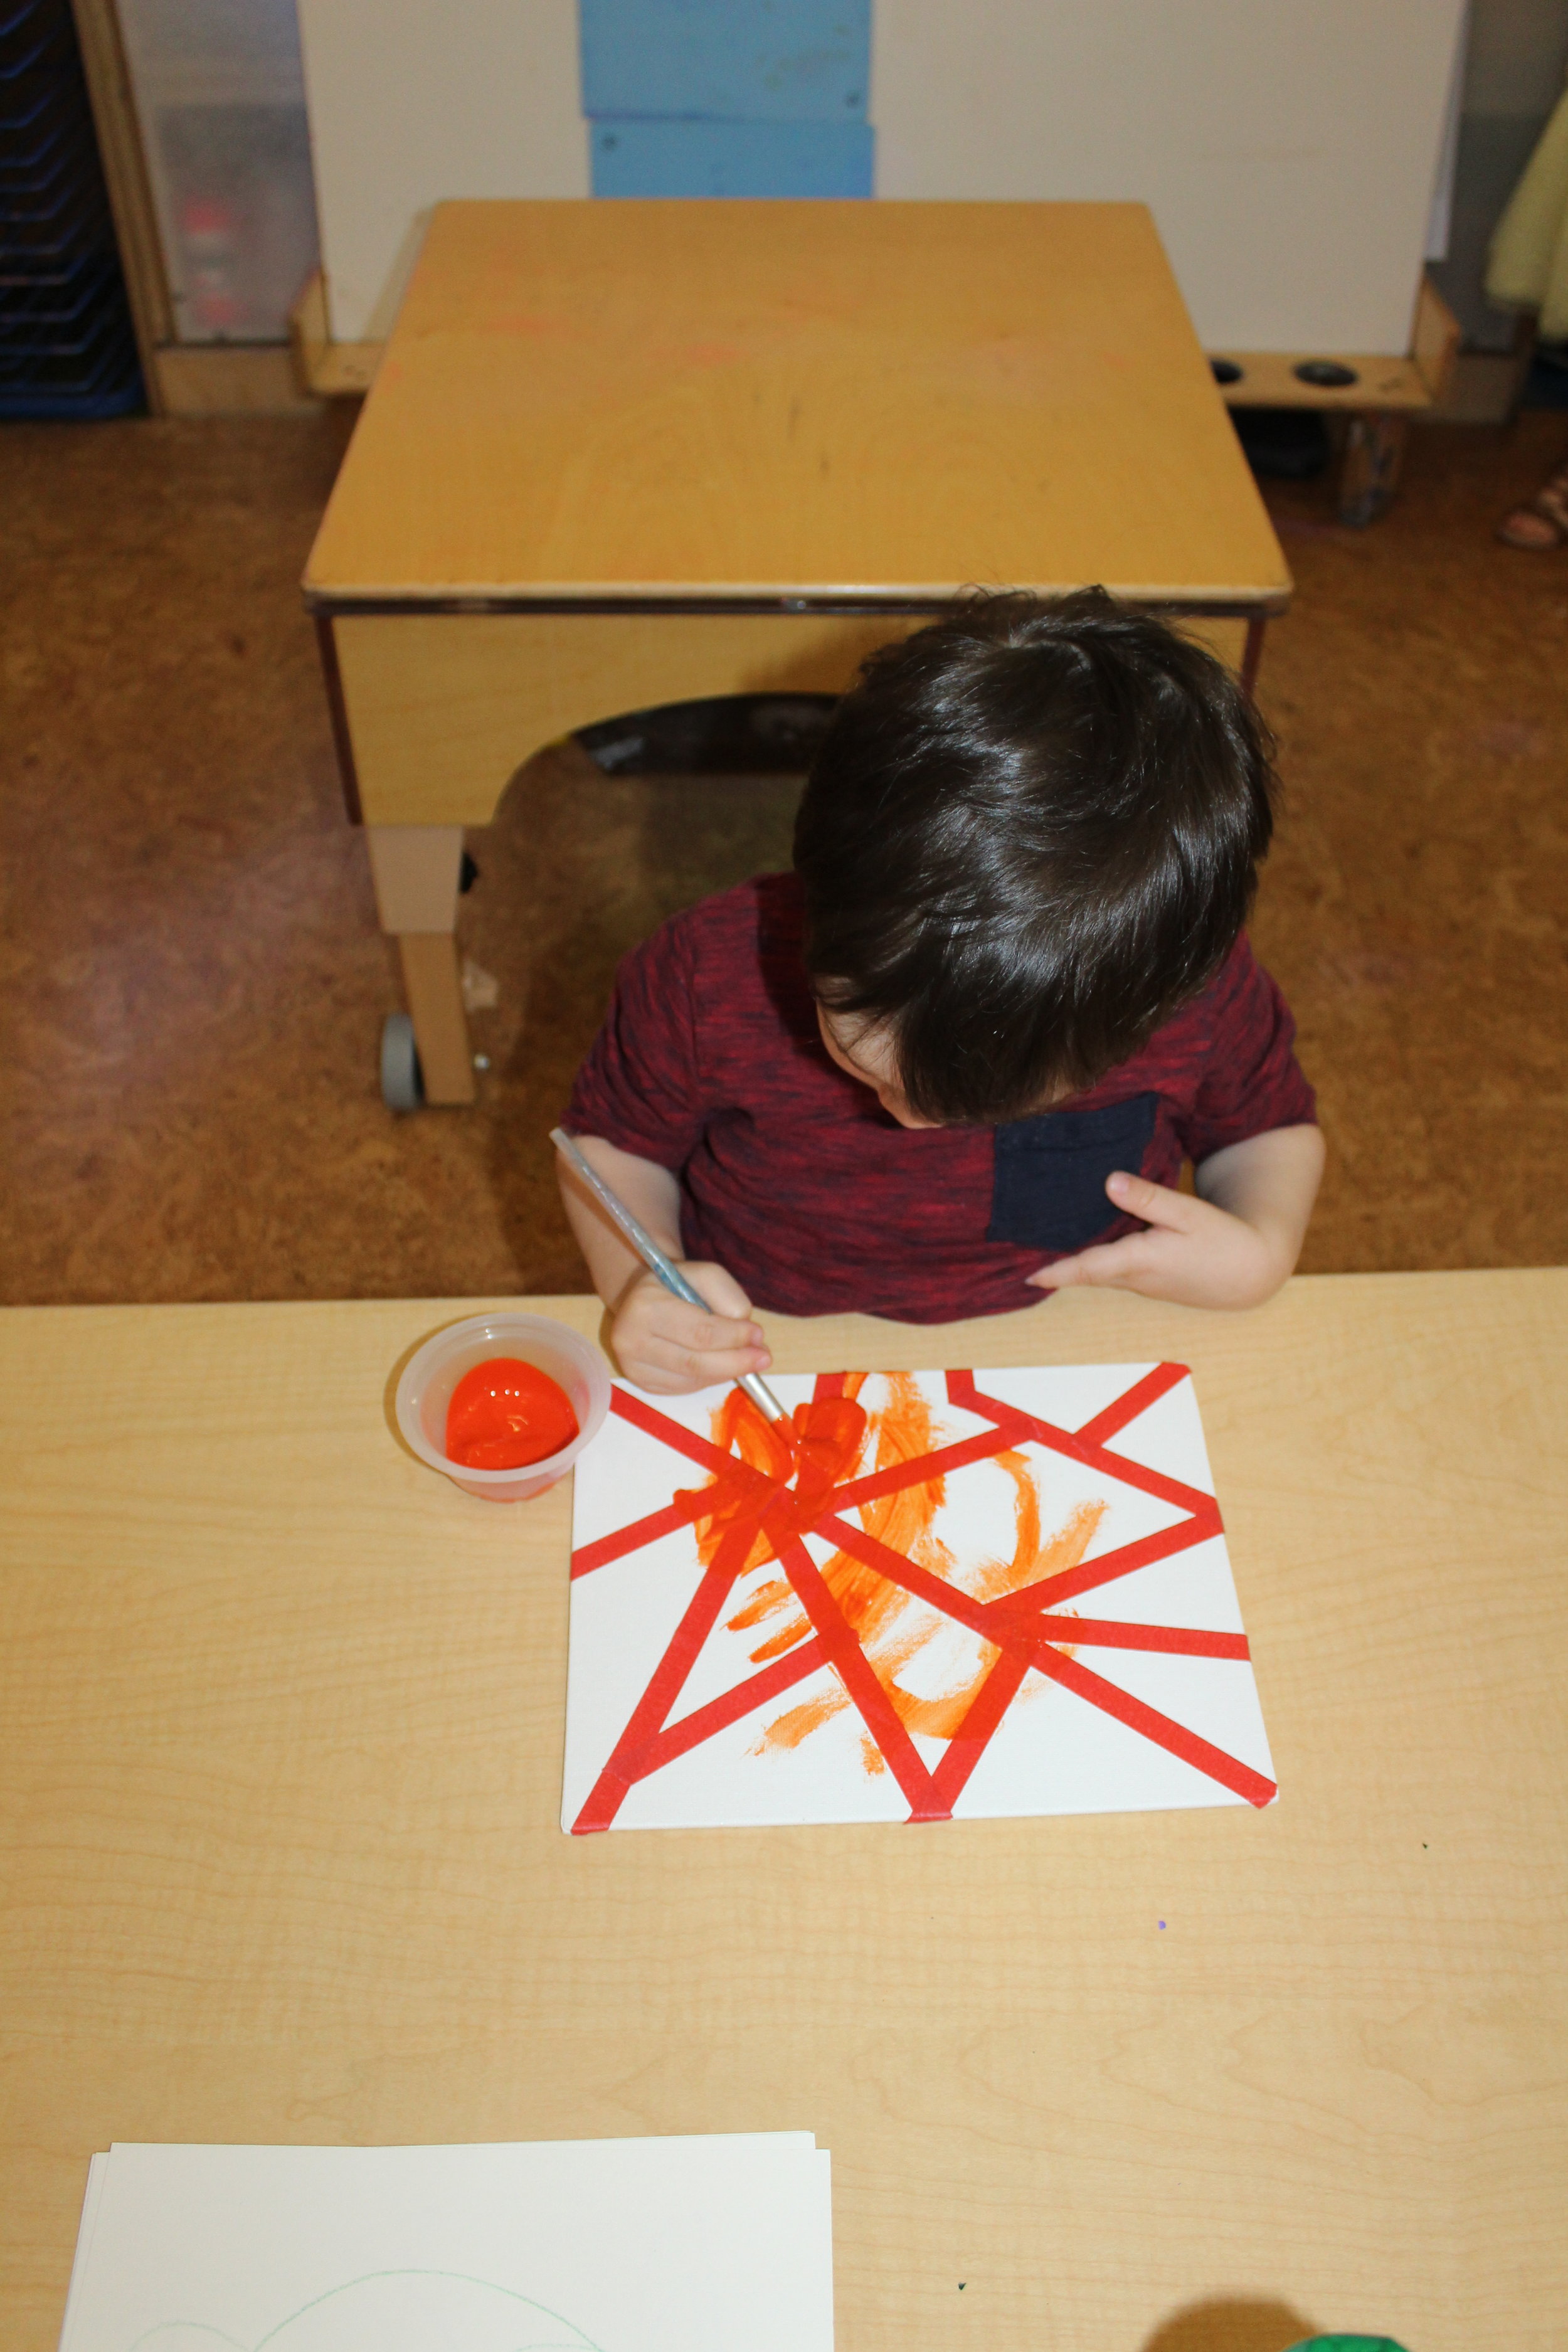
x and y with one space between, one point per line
280 1775
619 455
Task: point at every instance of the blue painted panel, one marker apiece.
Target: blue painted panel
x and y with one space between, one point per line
730 158
738 60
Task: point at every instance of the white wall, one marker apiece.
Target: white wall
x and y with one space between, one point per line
1289 148
412 100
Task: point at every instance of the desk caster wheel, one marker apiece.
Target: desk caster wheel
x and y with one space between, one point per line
402 1080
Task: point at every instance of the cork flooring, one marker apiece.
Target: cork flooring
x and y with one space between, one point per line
194 984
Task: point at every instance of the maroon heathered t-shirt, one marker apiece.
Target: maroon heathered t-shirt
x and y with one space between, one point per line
795 1178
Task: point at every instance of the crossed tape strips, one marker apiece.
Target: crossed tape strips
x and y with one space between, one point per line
1018 1624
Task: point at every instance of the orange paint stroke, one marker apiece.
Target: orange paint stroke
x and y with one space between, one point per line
800 1463
824 1446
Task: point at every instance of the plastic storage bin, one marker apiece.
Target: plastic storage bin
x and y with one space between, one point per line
220 95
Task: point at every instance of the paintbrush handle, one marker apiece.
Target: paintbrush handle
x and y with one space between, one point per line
657 1261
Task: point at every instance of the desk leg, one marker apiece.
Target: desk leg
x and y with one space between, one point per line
1369 470
415 870
1252 656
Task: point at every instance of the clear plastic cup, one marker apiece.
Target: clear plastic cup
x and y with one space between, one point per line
433 1371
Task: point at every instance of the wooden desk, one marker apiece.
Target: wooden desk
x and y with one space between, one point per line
281 1779
625 454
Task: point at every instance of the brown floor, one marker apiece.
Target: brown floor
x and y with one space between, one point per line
194 982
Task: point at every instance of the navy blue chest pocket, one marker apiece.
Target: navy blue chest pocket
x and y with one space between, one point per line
1050 1189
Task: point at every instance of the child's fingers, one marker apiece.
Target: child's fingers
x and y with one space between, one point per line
1157 1204
673 1370
719 1288
1125 1260
667 1345
673 1324
680 1348
648 1306
1107 1262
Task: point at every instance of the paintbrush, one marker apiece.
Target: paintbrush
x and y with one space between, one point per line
654 1258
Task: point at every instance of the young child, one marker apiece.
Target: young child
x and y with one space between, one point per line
957 1057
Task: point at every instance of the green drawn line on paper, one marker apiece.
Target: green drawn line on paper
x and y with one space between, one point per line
580 2343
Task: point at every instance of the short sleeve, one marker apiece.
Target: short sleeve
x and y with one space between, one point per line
1252 1080
640 1085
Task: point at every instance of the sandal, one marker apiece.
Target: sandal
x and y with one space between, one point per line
1544 523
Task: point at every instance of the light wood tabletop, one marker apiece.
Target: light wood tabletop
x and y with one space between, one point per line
760 399
623 455
281 1780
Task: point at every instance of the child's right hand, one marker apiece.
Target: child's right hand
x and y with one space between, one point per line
663 1344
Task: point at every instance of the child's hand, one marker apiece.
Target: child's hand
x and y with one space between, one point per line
1193 1254
671 1347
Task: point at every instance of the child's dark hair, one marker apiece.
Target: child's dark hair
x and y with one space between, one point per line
1030 834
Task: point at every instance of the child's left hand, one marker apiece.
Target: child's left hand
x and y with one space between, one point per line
1197 1252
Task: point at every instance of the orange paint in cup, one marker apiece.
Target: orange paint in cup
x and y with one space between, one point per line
505 1413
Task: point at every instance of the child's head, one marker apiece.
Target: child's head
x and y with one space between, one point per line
1030 834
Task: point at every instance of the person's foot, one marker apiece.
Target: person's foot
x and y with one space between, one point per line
1544 523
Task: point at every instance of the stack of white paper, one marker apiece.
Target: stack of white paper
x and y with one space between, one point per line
629 2245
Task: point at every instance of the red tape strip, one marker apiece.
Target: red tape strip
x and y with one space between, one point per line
1108 1566
1228 1770
1103 1634
923 1469
1019 1616
665 1685
979 1726
962 1390
588 1556
679 1439
678 1738
1131 1403
854 1671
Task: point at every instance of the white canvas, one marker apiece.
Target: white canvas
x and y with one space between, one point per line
1011 1596
687 2244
